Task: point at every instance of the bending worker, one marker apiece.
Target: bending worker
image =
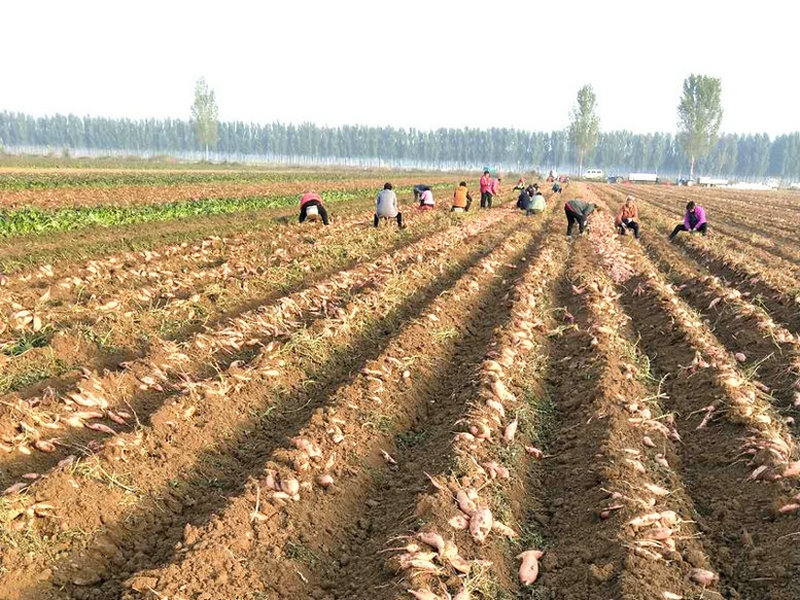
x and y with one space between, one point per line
578 211
418 191
311 202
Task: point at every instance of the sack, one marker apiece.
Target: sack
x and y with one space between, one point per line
312 213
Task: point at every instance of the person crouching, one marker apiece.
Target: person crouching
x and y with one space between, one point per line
386 206
628 218
693 220
462 199
426 201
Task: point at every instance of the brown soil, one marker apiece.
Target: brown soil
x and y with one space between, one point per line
377 363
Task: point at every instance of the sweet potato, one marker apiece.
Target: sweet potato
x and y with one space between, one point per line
529 568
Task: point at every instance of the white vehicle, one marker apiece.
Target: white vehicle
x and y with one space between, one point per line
643 177
594 174
711 181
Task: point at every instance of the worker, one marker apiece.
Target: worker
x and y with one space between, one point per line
525 199
538 203
426 200
578 211
386 206
693 220
531 201
494 189
520 184
556 187
311 206
486 194
461 198
418 191
628 218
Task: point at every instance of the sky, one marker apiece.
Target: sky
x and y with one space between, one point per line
412 63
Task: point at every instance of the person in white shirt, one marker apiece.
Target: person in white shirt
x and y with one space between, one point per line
426 201
386 206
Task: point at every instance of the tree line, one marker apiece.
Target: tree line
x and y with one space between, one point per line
617 152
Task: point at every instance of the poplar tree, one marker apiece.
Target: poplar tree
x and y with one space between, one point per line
584 126
204 115
699 117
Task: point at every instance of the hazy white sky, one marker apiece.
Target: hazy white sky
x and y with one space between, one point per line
412 63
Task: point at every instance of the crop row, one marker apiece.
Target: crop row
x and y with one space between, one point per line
322 348
234 340
143 195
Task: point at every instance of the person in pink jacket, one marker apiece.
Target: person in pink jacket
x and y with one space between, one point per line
492 189
495 189
486 194
693 220
311 204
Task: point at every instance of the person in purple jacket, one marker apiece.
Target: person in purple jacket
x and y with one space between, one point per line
693 220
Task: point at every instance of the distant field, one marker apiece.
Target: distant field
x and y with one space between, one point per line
228 404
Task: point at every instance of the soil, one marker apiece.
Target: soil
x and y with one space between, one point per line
370 357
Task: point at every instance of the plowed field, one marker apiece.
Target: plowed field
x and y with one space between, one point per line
473 407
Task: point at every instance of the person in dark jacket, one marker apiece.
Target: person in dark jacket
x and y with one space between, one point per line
524 199
313 201
578 211
693 220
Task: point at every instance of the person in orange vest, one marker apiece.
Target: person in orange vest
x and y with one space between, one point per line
311 205
461 198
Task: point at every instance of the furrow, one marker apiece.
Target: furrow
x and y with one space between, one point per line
761 280
477 464
769 354
735 456
115 313
340 440
139 390
230 442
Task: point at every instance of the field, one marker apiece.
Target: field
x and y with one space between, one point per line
211 401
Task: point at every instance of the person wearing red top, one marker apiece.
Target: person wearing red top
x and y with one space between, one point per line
494 188
486 194
311 200
628 218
